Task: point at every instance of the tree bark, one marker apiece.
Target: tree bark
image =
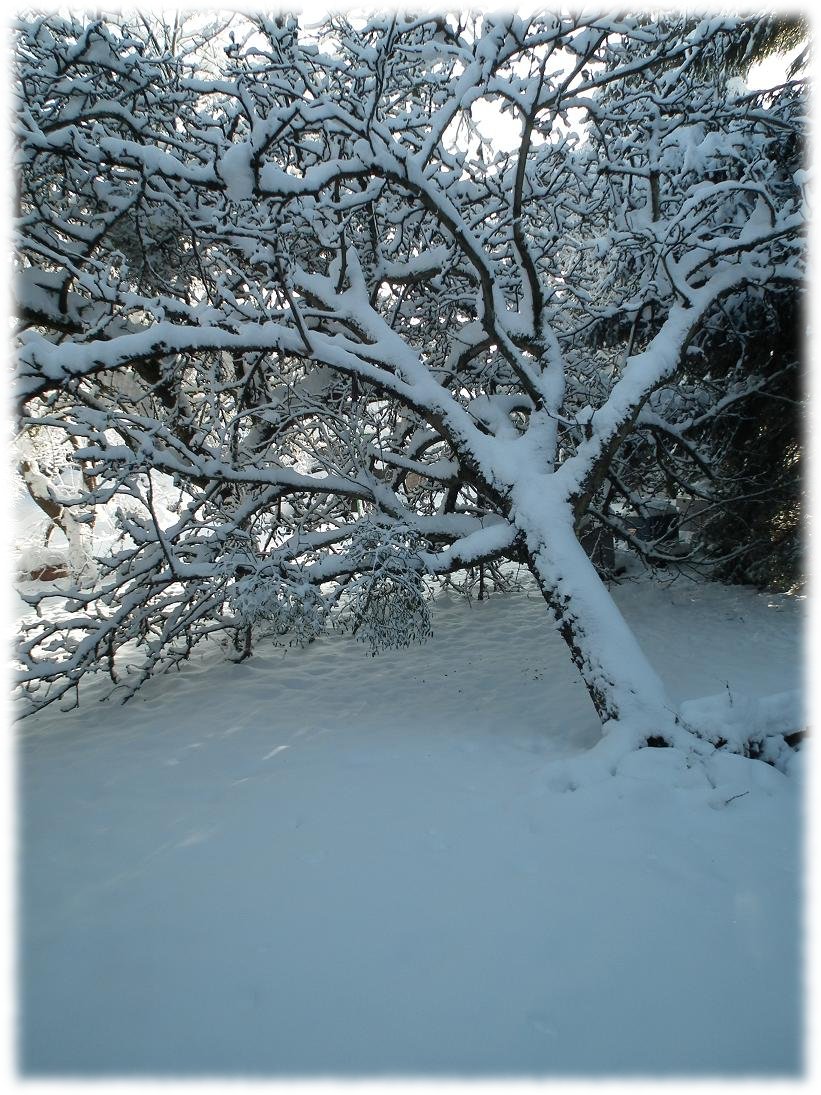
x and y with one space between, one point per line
621 682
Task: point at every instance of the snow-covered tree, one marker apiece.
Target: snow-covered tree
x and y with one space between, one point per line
314 331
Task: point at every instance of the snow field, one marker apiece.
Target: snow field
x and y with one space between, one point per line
318 862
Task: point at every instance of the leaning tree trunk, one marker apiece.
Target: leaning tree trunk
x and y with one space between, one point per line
624 687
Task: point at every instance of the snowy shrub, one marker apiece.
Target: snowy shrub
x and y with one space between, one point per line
59 538
387 604
273 607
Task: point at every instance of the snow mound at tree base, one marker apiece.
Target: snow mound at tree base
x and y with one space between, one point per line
687 749
762 727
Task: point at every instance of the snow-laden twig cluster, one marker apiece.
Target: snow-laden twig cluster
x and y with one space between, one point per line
386 603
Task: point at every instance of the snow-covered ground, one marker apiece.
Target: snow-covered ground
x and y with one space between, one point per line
318 862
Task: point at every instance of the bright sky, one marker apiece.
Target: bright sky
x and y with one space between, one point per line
503 130
773 70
